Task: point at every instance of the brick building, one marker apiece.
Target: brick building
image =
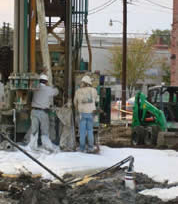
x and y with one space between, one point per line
174 45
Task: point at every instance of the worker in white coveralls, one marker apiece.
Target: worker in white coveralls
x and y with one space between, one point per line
41 102
84 101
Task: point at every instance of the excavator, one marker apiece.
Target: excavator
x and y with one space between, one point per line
155 117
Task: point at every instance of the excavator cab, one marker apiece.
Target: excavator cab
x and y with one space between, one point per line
155 118
165 98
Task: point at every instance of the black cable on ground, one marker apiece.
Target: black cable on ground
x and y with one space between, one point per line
130 158
31 157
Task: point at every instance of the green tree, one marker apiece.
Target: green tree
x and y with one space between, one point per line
139 60
165 36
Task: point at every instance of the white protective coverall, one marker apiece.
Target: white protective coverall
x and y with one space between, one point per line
41 102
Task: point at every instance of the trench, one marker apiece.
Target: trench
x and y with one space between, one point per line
108 188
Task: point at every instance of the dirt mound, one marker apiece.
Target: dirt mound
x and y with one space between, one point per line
115 136
107 189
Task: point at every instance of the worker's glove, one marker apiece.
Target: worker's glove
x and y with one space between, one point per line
69 103
98 111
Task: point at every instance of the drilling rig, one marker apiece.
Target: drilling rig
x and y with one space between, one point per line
47 36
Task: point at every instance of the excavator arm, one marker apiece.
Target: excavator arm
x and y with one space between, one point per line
143 109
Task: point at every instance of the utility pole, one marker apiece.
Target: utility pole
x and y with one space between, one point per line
124 57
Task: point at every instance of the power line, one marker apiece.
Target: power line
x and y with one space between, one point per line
153 9
98 7
162 6
102 7
110 2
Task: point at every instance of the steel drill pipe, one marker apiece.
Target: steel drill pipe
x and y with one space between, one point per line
31 157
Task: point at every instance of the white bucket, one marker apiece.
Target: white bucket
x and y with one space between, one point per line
129 180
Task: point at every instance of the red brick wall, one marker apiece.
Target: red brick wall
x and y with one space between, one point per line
174 46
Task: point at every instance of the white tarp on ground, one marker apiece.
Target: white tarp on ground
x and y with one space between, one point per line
160 165
164 194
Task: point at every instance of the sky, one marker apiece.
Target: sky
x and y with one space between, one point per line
143 15
160 165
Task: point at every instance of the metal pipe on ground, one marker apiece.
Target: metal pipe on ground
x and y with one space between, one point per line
31 157
129 159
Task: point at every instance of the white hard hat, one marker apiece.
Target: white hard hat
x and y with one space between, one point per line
44 77
87 80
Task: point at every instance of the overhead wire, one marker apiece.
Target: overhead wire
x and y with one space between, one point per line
152 9
102 8
110 2
160 5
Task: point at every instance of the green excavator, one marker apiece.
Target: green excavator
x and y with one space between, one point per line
155 117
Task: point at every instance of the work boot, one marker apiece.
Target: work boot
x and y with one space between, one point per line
93 150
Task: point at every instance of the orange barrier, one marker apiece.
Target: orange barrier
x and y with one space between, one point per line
124 111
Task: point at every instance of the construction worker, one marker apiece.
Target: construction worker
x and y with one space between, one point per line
41 102
84 101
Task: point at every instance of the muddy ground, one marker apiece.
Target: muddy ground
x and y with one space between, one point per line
107 189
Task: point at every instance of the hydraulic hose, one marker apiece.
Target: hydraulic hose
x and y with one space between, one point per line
119 164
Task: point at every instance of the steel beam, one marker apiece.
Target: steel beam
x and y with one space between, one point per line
25 68
21 37
16 36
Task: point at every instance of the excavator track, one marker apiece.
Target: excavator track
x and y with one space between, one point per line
117 136
167 139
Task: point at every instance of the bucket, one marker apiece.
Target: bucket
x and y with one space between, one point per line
129 180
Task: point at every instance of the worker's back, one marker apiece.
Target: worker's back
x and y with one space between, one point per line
43 96
85 99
